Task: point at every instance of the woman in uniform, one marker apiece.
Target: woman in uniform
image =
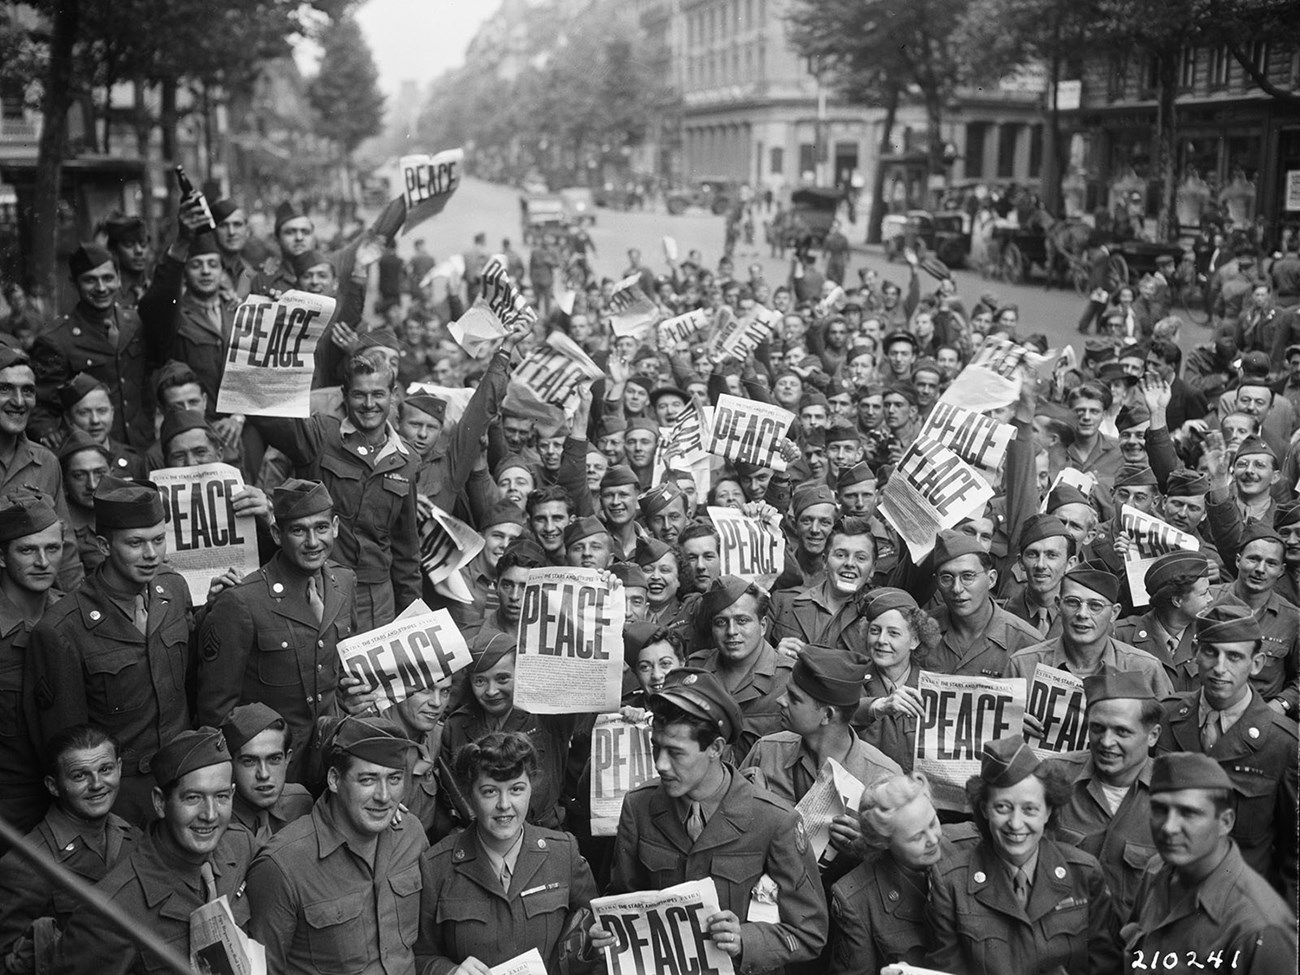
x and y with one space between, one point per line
878 909
1017 902
899 634
502 886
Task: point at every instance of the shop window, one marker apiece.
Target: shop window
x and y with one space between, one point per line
1220 59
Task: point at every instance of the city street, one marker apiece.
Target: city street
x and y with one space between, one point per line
494 210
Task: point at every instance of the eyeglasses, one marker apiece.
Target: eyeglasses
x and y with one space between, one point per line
1095 606
947 580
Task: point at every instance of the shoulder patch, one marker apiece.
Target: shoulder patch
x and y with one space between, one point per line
210 645
800 837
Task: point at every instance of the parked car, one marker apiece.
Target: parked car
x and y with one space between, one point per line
714 193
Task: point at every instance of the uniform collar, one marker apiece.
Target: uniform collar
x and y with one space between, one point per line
392 441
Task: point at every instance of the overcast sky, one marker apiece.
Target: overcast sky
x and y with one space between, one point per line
419 39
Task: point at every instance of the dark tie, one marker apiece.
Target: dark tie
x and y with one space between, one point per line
695 822
141 615
114 333
1020 884
505 876
209 882
314 601
1210 730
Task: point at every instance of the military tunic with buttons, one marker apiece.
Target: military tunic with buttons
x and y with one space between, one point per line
1144 632
160 889
757 693
789 769
805 614
322 909
374 497
751 833
260 641
1279 678
893 734
878 910
23 796
466 912
1068 924
1259 754
34 467
78 344
1234 916
989 654
89 663
25 895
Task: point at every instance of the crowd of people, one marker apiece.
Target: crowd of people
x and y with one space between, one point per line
173 752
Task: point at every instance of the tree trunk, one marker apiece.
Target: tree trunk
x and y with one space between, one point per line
934 155
1167 141
1053 165
143 133
167 122
54 139
878 180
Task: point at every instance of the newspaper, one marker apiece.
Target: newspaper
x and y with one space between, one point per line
570 658
663 931
631 312
931 489
979 440
682 444
745 431
670 250
205 537
447 545
410 654
1074 478
622 759
428 183
553 373
498 310
748 547
218 947
739 337
835 792
271 355
1151 539
961 714
675 331
1056 699
832 303
529 963
993 378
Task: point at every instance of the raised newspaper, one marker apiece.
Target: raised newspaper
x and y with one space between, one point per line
410 654
835 792
622 759
979 440
749 432
271 355
498 310
676 331
552 373
932 489
664 932
428 183
1151 538
959 715
204 535
748 547
738 337
447 545
1056 699
631 312
570 657
994 376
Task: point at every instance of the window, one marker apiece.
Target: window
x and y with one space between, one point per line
807 158
1007 137
1258 54
976 133
1151 76
776 163
1035 151
1187 68
1219 59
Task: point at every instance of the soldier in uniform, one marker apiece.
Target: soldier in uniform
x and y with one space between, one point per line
856 491
79 832
828 612
85 463
261 747
421 717
979 636
116 652
87 407
191 855
1047 552
1089 607
339 890
703 819
1203 905
730 621
1018 902
1229 721
370 474
24 464
1109 810
31 548
274 637
1178 585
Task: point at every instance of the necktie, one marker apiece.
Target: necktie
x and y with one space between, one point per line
1210 730
314 601
505 876
1040 621
1020 884
209 882
695 822
114 333
141 614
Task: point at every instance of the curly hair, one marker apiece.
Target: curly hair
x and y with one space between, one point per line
1057 790
501 755
881 801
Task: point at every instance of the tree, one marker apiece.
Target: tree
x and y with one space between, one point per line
877 52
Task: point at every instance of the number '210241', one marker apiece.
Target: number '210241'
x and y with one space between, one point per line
1168 961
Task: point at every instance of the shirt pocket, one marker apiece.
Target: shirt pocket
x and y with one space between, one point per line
10 713
174 635
343 478
739 872
117 680
277 663
1137 856
406 893
1256 798
985 941
663 863
336 934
